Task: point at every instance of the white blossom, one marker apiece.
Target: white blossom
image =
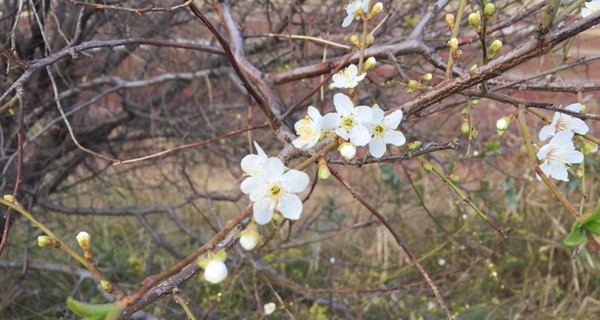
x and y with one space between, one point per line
347 78
354 9
349 122
215 271
564 122
276 190
557 155
269 308
383 131
309 129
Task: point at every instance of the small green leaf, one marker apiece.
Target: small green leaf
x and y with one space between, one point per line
89 311
593 227
595 216
576 235
221 256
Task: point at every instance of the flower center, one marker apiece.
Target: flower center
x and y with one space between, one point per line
378 129
305 130
347 122
275 190
555 157
563 124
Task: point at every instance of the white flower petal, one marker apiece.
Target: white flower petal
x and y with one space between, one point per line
273 168
290 206
579 126
559 173
543 152
393 119
343 104
360 135
545 169
575 107
295 181
546 132
573 157
252 165
377 147
348 20
263 210
314 114
363 114
377 115
330 121
394 137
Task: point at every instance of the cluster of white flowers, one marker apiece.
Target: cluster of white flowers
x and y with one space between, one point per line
560 153
359 126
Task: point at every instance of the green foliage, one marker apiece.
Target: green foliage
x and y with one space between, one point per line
89 311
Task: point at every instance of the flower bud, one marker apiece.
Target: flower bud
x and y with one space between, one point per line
427 77
47 242
474 102
215 271
409 91
464 127
354 40
495 47
427 167
489 9
377 8
453 43
456 54
473 67
324 172
347 150
413 145
106 286
429 88
413 84
474 132
588 147
370 63
450 20
370 39
579 172
250 237
453 178
83 238
475 21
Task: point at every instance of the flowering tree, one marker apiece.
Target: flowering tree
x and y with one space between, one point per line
128 109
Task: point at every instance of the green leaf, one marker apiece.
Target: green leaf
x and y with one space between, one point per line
90 311
576 235
595 216
593 227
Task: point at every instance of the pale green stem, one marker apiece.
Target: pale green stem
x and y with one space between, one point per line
63 246
461 8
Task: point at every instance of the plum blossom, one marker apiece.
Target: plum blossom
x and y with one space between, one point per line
589 8
253 166
349 122
269 308
383 131
276 190
309 129
564 122
215 271
347 78
557 155
354 9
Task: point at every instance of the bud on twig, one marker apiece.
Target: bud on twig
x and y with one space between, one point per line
106 286
489 10
427 167
370 63
347 150
495 47
453 178
354 40
427 77
450 20
324 172
453 43
83 238
377 8
413 145
475 21
47 242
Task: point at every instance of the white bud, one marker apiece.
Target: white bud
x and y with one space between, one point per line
441 262
347 150
83 238
215 271
248 241
502 123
